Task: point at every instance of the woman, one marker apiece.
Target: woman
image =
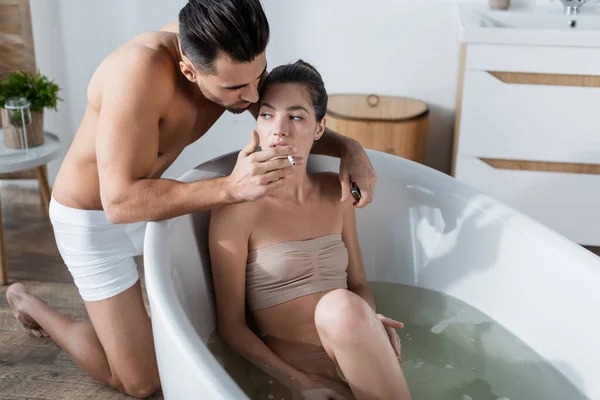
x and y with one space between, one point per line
293 260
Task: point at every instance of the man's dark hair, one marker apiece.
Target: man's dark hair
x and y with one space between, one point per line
305 74
239 28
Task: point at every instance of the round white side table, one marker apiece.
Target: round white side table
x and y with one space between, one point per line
35 158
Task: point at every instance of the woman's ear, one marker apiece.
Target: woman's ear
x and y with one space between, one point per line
320 129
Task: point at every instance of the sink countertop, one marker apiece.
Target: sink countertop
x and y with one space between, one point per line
541 25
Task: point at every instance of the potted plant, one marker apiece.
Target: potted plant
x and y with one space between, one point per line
40 93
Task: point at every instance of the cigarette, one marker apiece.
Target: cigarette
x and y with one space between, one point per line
290 159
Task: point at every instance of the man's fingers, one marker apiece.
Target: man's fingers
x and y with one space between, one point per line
273 165
272 152
345 182
274 185
252 144
367 197
276 164
275 175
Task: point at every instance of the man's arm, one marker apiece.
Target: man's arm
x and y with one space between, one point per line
137 88
355 165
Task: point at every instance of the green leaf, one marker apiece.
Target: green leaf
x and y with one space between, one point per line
15 118
38 89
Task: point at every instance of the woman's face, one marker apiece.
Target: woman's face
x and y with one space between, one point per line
286 117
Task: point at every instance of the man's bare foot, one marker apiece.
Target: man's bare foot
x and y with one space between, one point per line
17 297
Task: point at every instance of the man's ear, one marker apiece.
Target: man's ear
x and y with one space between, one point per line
320 129
188 71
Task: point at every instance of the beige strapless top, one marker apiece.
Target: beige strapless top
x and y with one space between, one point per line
285 271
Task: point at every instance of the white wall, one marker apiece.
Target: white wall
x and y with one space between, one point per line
394 47
50 59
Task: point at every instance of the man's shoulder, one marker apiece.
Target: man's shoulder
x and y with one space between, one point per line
140 57
147 67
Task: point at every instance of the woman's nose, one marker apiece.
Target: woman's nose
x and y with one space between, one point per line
280 127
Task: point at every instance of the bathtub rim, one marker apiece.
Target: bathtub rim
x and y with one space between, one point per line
444 185
174 321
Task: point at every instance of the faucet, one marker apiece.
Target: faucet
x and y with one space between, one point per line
572 6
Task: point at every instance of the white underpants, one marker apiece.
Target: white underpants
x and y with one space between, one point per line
98 253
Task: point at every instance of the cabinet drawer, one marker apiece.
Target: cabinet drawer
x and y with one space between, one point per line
565 202
536 59
502 118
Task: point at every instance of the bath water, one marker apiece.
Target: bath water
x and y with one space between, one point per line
450 351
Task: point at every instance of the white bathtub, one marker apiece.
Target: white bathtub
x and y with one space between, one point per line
424 228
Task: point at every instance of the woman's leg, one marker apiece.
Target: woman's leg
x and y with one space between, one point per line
354 337
117 348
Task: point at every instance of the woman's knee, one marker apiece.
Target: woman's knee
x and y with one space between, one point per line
341 313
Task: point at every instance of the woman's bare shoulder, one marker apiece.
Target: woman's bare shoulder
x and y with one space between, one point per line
237 215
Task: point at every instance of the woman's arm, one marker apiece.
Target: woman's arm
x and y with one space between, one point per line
357 280
228 245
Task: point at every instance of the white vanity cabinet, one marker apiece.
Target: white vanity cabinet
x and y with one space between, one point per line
528 122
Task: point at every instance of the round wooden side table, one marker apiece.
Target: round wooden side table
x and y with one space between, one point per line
16 160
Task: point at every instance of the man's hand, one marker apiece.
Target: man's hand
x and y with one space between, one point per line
390 326
356 167
256 174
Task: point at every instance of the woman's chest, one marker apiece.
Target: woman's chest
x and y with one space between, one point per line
281 224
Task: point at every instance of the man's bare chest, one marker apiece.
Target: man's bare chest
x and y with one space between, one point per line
181 126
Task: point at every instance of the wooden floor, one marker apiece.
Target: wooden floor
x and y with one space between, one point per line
32 368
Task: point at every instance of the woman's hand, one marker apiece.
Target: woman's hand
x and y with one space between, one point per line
355 166
390 326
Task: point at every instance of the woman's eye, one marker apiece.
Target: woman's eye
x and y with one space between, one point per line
265 115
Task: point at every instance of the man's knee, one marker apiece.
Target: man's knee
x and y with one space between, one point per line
137 386
141 389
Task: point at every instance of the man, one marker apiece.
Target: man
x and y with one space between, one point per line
147 101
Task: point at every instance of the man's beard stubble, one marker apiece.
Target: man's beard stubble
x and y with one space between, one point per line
231 108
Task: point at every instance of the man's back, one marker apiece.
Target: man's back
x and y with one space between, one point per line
138 102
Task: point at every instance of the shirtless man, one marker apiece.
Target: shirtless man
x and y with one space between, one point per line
147 101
